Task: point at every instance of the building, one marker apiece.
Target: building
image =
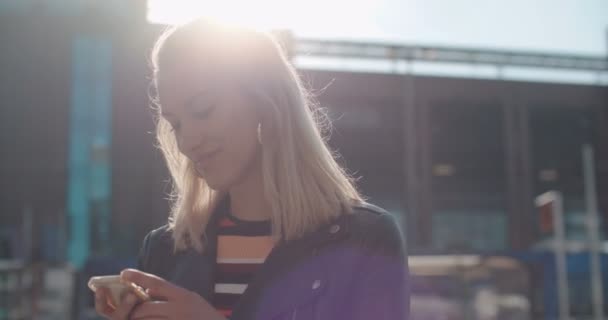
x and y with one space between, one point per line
458 160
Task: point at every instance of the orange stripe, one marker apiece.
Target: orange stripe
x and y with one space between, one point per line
225 313
242 247
225 222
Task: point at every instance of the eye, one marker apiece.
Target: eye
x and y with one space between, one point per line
203 112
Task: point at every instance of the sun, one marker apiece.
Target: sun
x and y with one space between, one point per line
343 18
259 14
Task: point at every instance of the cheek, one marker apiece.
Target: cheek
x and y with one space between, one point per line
240 148
240 131
236 162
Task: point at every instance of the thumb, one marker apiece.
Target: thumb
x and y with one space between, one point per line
155 286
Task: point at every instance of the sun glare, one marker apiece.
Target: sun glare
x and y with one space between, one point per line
308 18
247 13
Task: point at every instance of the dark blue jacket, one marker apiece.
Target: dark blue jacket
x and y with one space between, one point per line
354 268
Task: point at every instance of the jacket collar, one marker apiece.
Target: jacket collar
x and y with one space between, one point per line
284 258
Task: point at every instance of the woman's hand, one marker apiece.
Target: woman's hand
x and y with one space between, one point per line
121 312
176 303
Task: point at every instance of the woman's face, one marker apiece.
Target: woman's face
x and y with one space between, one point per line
215 126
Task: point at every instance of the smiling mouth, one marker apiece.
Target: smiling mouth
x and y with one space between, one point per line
203 161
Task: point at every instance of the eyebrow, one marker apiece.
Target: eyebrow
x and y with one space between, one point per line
188 104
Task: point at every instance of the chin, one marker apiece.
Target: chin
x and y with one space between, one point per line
216 183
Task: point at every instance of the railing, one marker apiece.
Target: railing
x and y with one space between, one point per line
349 49
19 286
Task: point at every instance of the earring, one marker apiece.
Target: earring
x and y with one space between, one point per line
260 133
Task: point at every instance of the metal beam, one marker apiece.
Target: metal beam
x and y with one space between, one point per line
347 49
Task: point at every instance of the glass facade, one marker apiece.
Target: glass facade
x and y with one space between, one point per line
469 203
369 140
557 135
88 198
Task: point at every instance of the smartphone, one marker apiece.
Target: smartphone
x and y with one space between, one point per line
117 288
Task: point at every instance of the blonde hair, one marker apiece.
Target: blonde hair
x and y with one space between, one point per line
303 183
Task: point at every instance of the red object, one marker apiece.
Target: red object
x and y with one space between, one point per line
546 218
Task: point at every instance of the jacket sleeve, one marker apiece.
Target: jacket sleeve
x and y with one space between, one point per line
382 289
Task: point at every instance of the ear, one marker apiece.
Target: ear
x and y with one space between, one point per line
266 121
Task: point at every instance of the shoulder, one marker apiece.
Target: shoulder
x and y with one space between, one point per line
376 229
159 236
158 242
369 218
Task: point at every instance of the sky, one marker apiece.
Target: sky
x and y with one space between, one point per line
552 26
557 26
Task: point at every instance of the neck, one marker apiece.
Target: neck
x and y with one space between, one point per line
247 201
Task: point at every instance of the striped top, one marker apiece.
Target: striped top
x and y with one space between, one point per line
242 247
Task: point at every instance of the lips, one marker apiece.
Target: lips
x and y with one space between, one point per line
203 160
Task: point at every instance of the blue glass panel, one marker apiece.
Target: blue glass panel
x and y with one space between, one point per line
90 136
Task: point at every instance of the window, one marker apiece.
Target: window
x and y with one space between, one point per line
369 139
468 176
557 135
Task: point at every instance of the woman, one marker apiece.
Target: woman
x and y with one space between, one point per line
264 223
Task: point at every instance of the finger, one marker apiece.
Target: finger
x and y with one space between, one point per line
101 307
125 306
152 310
156 287
101 303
